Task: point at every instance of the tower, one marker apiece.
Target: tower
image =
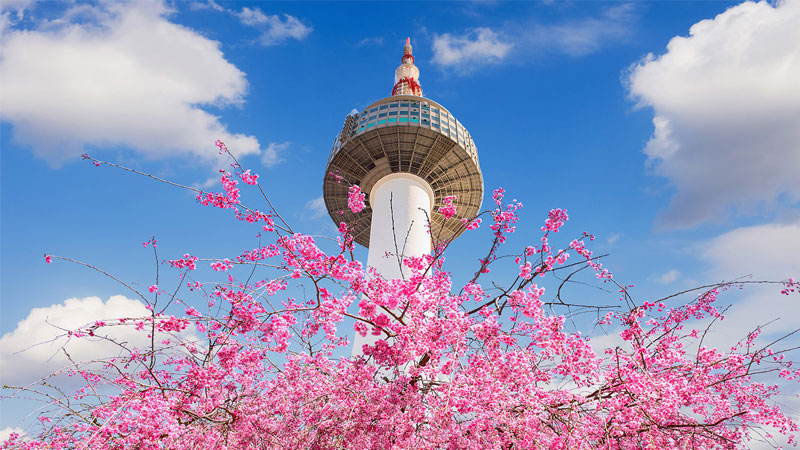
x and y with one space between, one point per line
407 153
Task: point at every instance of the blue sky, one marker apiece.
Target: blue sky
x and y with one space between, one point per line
667 129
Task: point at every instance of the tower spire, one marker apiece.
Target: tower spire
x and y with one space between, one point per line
406 77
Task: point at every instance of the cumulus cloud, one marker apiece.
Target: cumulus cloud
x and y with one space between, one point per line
275 28
767 252
273 154
526 40
764 251
118 75
726 104
34 348
478 46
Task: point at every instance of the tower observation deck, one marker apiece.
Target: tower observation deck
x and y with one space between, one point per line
404 137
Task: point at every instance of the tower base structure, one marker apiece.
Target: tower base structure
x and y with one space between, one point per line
401 211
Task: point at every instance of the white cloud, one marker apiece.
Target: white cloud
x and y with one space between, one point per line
274 28
273 154
369 41
523 41
128 77
613 238
580 37
478 46
317 208
669 276
6 433
761 252
726 103
33 349
767 252
16 6
210 4
764 251
608 338
252 16
12 12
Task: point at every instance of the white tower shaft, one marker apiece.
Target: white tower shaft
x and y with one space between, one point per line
401 208
409 144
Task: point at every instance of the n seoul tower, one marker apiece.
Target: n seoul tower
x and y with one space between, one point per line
407 153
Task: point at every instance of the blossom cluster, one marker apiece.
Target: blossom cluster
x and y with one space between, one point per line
448 210
355 199
254 358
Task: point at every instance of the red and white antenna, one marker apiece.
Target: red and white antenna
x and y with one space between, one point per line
406 77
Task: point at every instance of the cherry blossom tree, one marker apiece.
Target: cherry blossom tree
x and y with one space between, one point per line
478 366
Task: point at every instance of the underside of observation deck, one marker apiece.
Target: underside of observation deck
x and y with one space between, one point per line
366 157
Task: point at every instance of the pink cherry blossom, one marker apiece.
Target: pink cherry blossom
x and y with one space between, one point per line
355 199
257 357
448 209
